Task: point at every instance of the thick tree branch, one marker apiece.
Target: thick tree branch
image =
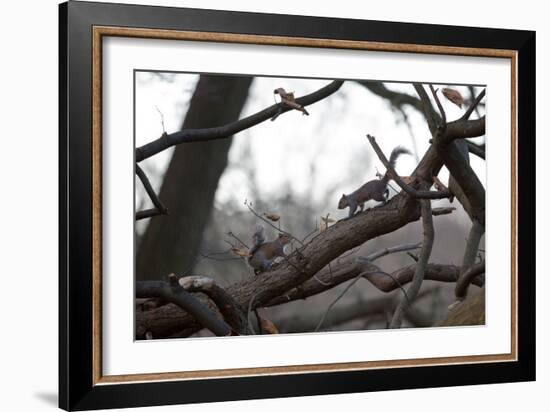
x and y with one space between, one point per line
174 293
230 309
223 132
452 157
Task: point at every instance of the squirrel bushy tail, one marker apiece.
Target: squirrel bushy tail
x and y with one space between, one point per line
395 153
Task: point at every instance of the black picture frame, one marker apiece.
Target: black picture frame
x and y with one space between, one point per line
77 390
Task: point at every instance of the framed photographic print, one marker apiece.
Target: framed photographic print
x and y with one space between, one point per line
256 205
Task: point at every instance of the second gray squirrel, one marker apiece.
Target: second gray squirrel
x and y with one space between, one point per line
262 255
376 189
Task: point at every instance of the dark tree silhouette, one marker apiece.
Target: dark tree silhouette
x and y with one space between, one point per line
190 182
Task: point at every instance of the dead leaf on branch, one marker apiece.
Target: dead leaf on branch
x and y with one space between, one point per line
454 96
288 99
272 216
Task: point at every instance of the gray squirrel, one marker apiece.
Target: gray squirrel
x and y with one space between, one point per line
376 189
262 255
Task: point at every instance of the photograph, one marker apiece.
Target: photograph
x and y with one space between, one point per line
257 205
269 205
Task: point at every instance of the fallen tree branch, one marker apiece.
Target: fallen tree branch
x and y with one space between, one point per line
174 293
230 309
223 132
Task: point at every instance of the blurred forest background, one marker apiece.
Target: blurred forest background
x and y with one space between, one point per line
297 167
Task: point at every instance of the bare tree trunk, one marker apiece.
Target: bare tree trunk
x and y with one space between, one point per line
170 242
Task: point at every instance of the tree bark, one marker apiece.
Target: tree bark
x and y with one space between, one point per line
171 242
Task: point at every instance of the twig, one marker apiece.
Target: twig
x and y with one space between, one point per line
161 119
205 256
144 214
348 287
237 239
389 250
473 106
162 210
443 123
249 205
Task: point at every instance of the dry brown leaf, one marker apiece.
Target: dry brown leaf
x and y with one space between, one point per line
268 326
454 96
240 252
288 99
272 216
